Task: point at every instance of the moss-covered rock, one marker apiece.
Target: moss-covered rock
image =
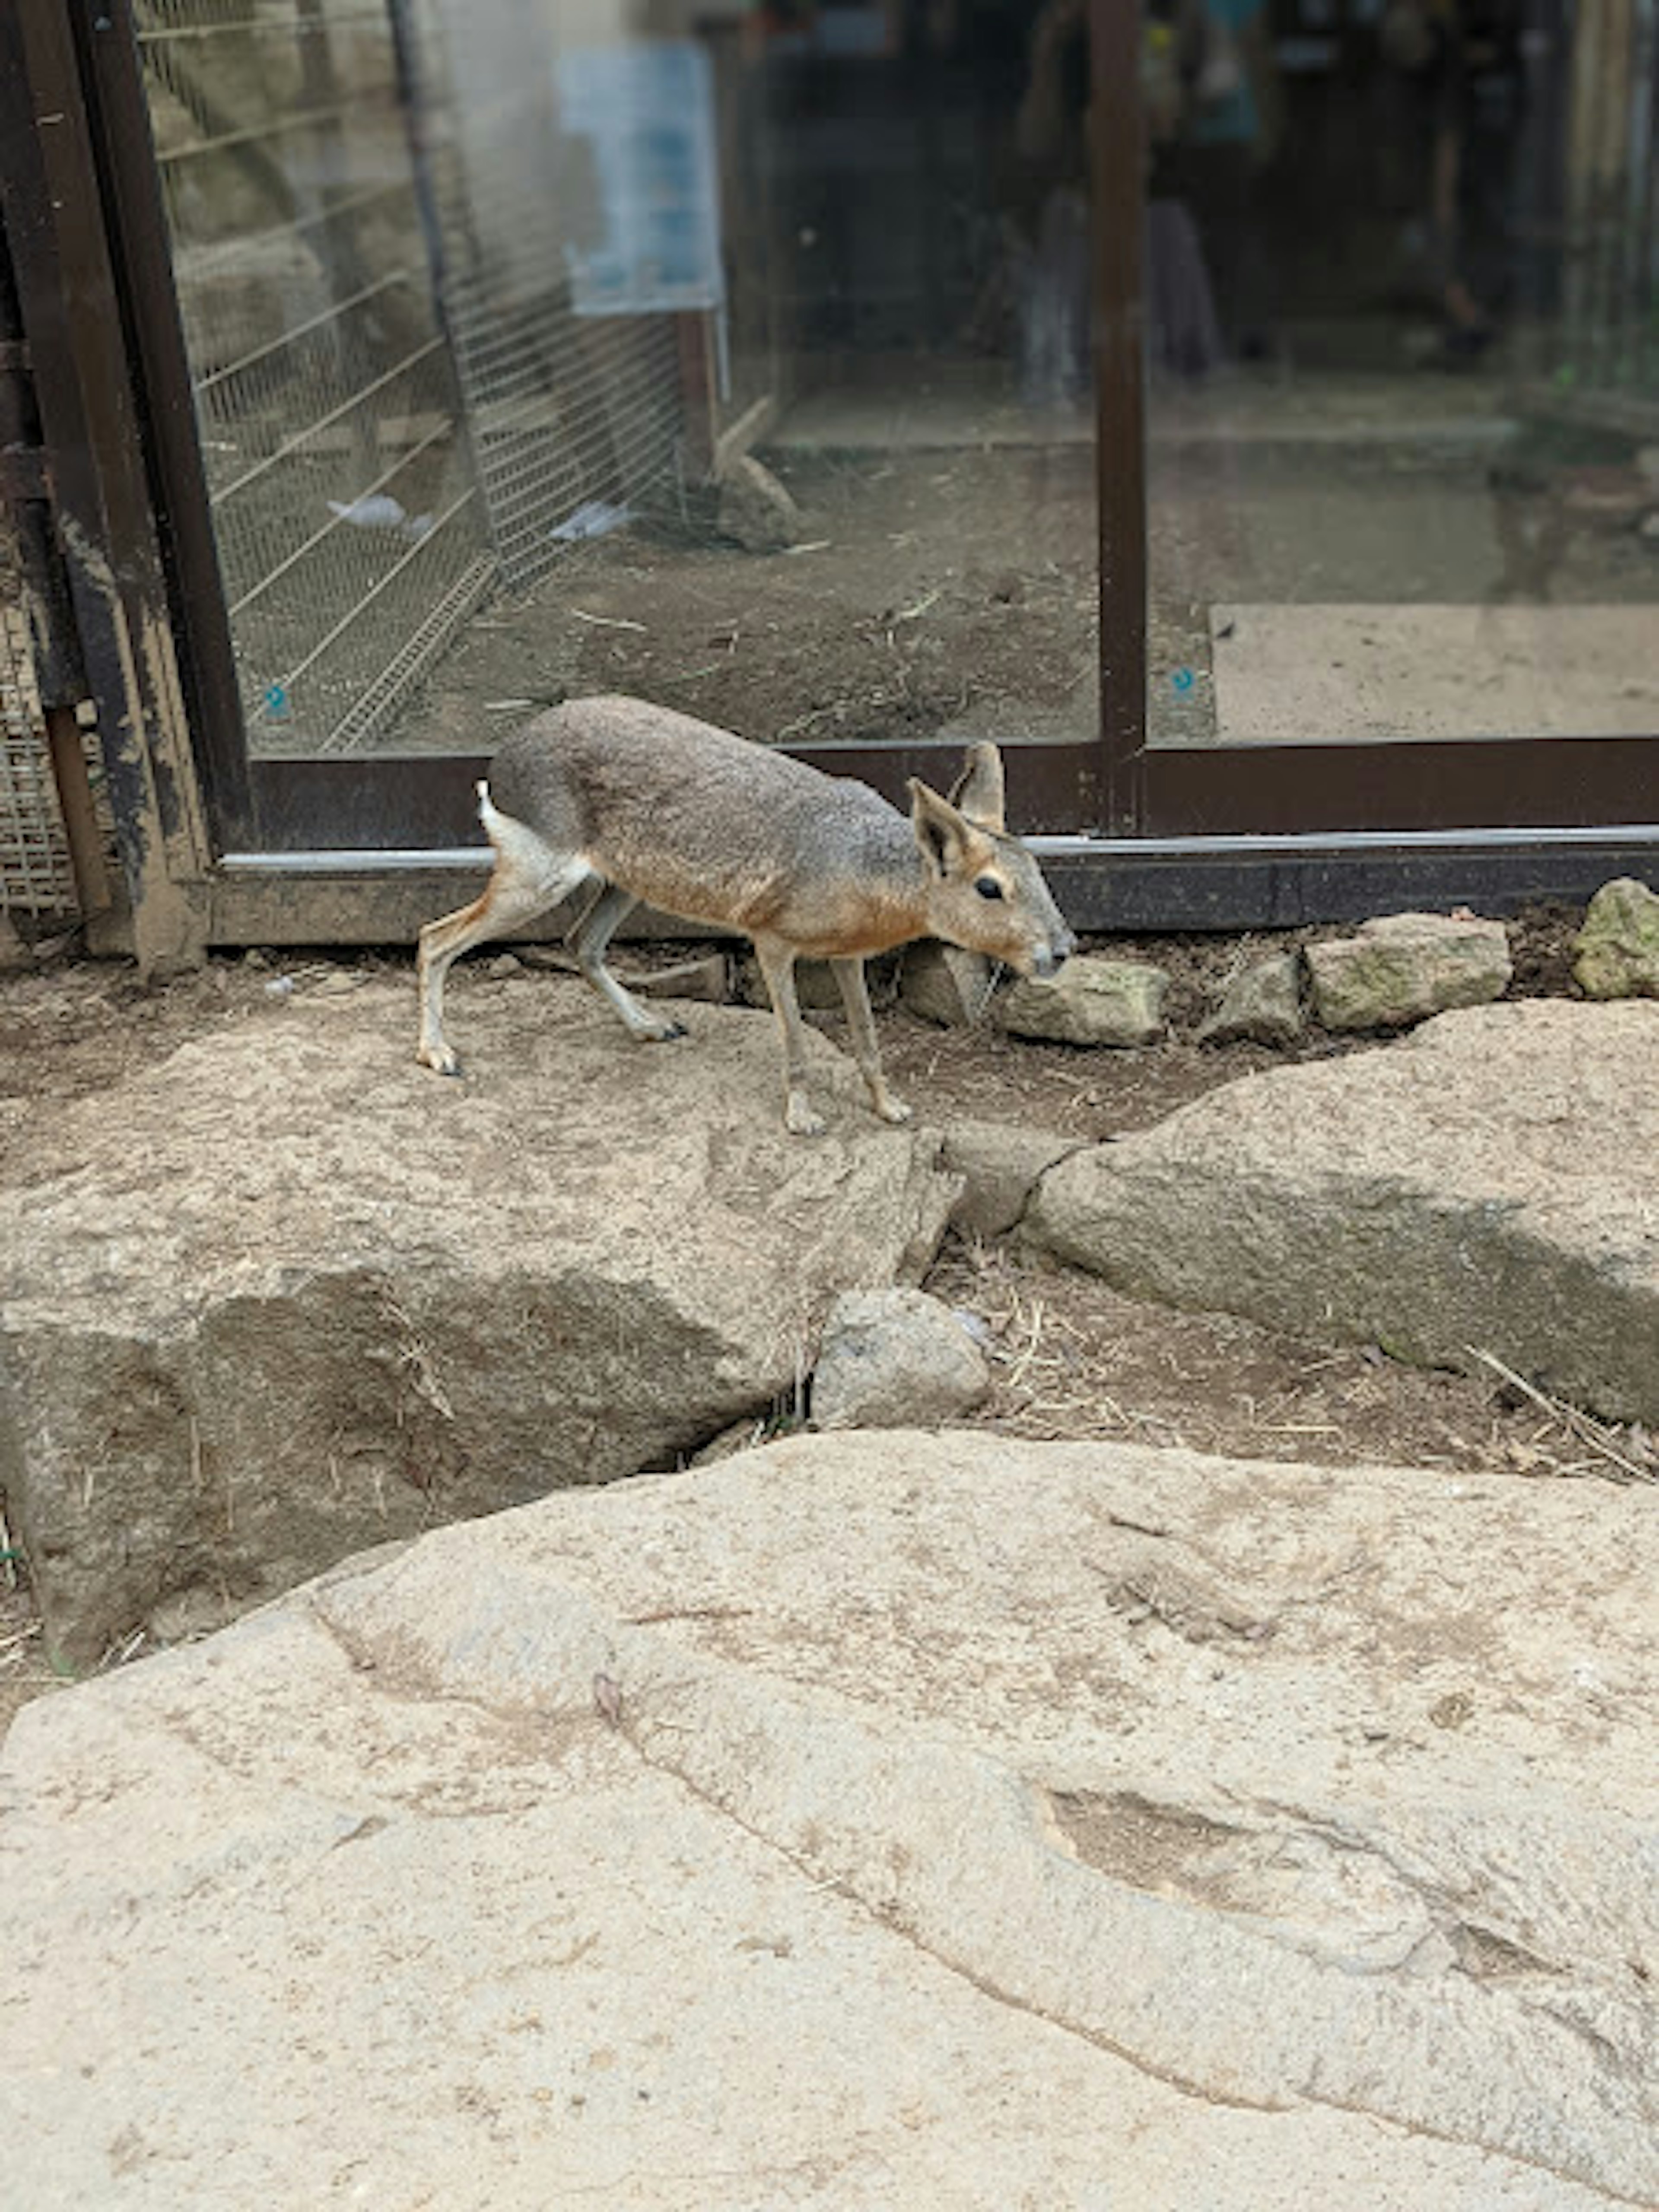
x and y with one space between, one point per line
1402 967
1092 1001
1618 948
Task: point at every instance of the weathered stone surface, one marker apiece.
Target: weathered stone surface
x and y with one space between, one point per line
1093 1000
1492 1181
999 1166
976 1824
1403 967
1618 947
756 509
15 955
946 983
1261 1004
895 1359
286 1294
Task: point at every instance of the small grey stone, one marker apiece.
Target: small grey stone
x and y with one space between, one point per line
895 1359
1093 1000
1401 968
1261 1004
505 964
756 510
945 984
1618 947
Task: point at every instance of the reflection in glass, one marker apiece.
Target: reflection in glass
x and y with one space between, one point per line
735 356
350 541
1404 426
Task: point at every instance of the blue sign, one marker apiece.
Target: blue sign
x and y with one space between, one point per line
646 112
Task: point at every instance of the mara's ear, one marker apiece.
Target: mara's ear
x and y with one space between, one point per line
940 831
978 791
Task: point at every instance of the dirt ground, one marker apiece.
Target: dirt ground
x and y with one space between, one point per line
951 590
928 590
1071 1358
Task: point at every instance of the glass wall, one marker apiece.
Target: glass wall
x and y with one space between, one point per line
737 356
1403 290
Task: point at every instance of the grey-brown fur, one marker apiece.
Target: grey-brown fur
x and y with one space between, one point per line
652 805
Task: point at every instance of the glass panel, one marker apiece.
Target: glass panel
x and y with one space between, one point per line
733 356
805 409
350 539
1403 288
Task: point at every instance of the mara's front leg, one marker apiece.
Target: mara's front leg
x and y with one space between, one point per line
777 965
861 1023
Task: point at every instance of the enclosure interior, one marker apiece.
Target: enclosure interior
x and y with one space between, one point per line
743 358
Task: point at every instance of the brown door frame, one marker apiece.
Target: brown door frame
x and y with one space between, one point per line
94 476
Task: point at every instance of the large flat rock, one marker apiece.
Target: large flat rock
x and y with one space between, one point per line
1491 1181
286 1294
973 1824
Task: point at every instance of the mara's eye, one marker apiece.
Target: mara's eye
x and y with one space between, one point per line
988 887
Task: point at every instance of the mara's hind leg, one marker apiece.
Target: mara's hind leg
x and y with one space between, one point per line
590 940
529 878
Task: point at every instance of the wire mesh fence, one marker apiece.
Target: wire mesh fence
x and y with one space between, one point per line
397 405
343 503
35 876
575 420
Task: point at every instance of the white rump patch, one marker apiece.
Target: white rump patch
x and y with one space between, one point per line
528 859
